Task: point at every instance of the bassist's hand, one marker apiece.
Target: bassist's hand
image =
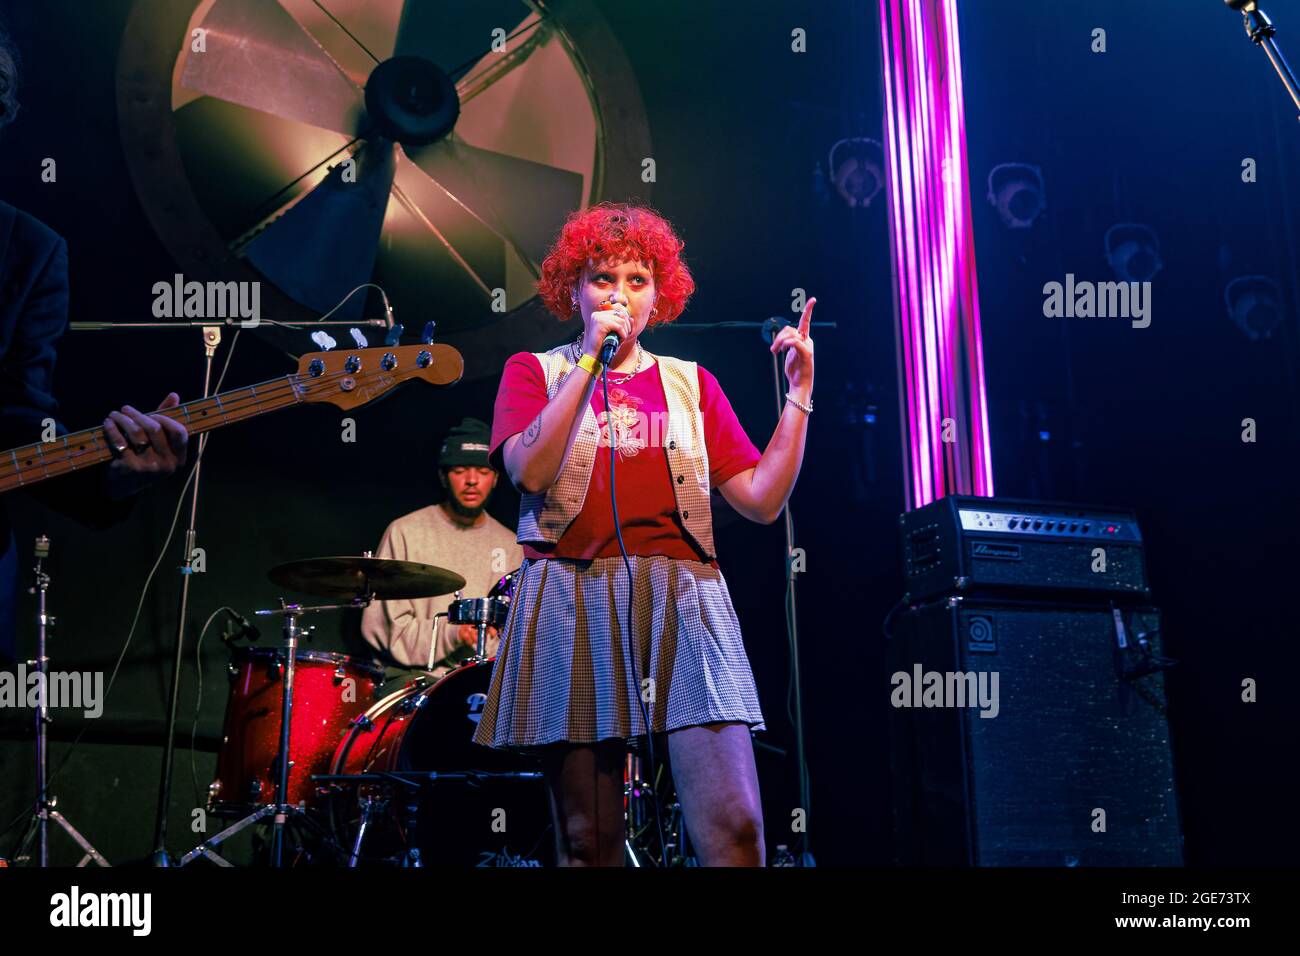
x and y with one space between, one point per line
147 447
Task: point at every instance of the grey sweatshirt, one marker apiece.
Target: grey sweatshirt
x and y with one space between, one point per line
481 555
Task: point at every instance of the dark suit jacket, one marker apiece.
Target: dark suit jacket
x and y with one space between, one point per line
33 315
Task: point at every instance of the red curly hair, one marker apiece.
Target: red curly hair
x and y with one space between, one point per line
618 232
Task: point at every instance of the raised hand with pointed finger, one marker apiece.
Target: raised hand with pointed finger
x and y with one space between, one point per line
798 347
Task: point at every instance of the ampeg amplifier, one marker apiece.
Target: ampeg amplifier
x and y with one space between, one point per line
961 544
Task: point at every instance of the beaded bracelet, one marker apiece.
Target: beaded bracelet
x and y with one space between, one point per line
806 409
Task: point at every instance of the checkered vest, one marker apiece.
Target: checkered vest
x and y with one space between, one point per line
545 517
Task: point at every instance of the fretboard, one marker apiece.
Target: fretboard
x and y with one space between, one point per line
21 467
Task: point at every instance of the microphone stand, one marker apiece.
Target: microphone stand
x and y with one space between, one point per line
768 329
211 340
1260 29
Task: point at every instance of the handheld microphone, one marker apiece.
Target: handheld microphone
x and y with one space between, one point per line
612 341
609 347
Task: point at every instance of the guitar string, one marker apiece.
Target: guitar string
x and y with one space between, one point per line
96 447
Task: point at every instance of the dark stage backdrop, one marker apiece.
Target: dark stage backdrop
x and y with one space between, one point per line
1151 418
738 123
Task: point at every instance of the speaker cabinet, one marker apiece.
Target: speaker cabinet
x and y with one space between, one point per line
1071 767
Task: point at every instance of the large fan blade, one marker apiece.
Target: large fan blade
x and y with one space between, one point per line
244 165
258 56
454 40
524 201
325 245
472 245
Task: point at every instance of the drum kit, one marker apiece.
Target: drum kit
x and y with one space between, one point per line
389 775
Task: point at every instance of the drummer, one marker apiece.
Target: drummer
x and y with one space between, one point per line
456 534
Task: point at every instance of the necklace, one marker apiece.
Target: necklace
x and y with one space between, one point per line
640 361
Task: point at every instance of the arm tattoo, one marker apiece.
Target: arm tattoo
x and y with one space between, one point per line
534 432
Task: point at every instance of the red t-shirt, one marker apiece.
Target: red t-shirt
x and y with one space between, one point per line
647 509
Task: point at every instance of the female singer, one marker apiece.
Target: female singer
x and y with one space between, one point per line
562 681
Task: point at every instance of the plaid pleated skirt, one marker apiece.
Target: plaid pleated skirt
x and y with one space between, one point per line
562 674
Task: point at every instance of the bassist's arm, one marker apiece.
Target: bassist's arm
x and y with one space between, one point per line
27 400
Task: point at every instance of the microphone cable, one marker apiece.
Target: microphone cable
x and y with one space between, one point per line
649 777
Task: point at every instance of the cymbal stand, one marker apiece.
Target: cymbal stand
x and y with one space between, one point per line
280 811
43 810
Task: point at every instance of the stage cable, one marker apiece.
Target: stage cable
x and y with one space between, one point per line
636 681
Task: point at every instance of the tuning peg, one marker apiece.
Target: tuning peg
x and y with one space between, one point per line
359 338
427 335
394 336
323 340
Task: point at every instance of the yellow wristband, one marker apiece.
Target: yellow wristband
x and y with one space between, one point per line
590 365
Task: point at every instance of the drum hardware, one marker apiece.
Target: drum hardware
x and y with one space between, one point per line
415 748
43 809
410 821
410 705
280 811
416 778
412 782
374 806
482 613
370 808
641 847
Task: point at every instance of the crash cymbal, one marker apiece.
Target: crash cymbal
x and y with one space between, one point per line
348 576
